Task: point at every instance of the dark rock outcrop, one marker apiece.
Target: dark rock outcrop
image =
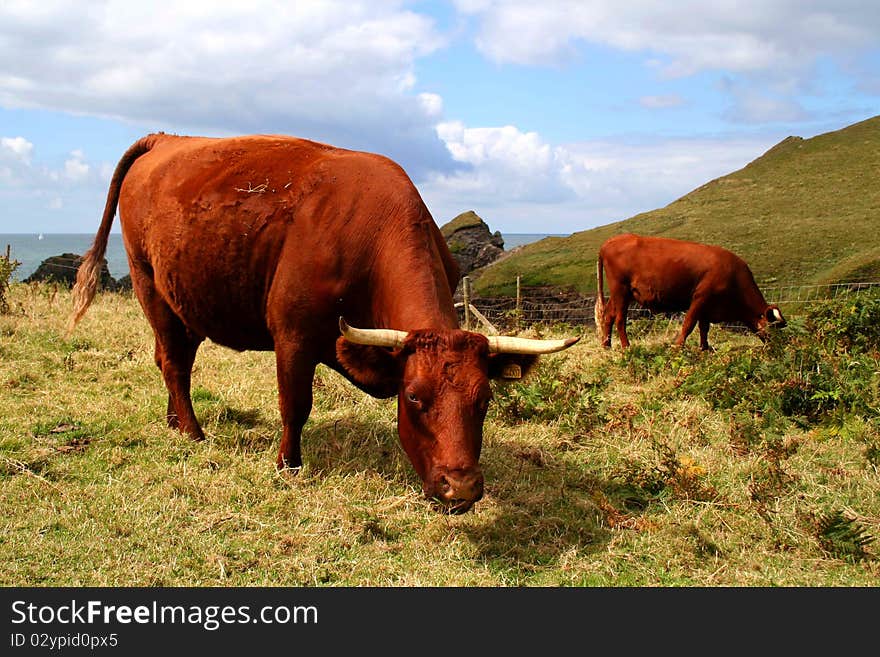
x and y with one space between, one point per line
471 242
123 284
62 269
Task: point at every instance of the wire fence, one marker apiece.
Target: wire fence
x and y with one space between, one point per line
62 269
550 305
798 295
553 306
64 265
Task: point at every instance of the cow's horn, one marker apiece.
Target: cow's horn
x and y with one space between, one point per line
504 344
374 337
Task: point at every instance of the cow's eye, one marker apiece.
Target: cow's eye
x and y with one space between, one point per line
418 396
415 400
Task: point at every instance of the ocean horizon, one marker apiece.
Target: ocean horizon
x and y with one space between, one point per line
30 249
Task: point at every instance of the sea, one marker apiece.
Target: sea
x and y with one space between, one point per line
30 249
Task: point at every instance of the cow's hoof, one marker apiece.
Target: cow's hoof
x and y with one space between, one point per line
288 469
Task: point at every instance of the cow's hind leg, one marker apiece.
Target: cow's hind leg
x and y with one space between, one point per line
608 324
621 311
704 335
296 371
615 313
175 354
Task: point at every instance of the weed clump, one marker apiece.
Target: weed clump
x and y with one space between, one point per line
827 367
7 269
552 393
843 537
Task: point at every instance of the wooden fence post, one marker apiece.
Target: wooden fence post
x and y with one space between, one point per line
466 297
518 314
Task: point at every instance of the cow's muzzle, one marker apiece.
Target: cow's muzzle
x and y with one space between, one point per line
456 491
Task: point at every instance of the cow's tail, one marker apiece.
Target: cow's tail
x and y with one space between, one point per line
599 307
89 273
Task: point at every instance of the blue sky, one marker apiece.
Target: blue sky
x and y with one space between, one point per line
548 117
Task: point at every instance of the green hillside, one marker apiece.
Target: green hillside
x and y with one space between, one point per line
805 212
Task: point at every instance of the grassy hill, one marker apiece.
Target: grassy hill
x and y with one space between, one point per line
806 211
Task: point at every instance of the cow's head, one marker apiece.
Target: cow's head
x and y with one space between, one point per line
771 318
441 379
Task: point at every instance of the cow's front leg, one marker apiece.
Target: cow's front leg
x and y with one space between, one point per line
687 326
296 372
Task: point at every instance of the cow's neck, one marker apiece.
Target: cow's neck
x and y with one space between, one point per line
752 296
411 290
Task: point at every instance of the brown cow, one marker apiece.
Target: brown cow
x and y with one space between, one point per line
667 275
264 243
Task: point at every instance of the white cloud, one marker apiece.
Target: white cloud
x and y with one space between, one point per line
501 161
692 35
345 72
75 168
432 104
775 43
334 70
517 182
661 102
15 161
753 104
506 145
49 185
18 148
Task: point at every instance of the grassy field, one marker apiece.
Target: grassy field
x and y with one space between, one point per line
755 465
804 212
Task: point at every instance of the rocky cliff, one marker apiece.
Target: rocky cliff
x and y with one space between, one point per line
471 242
62 269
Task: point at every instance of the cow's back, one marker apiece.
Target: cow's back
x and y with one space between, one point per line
663 274
213 221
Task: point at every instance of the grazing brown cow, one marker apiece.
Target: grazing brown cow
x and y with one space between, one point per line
266 243
667 275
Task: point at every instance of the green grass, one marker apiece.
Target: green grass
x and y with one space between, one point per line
806 211
755 465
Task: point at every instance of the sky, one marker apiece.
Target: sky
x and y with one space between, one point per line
542 117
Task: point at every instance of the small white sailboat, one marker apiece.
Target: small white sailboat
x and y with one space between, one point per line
40 236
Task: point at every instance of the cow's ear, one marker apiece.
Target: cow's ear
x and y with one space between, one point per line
375 370
510 367
774 316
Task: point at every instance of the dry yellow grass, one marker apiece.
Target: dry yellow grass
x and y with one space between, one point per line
620 479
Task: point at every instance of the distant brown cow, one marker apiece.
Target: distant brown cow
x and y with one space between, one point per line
266 242
667 275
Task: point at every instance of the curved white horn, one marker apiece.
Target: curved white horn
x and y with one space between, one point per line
503 344
374 337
